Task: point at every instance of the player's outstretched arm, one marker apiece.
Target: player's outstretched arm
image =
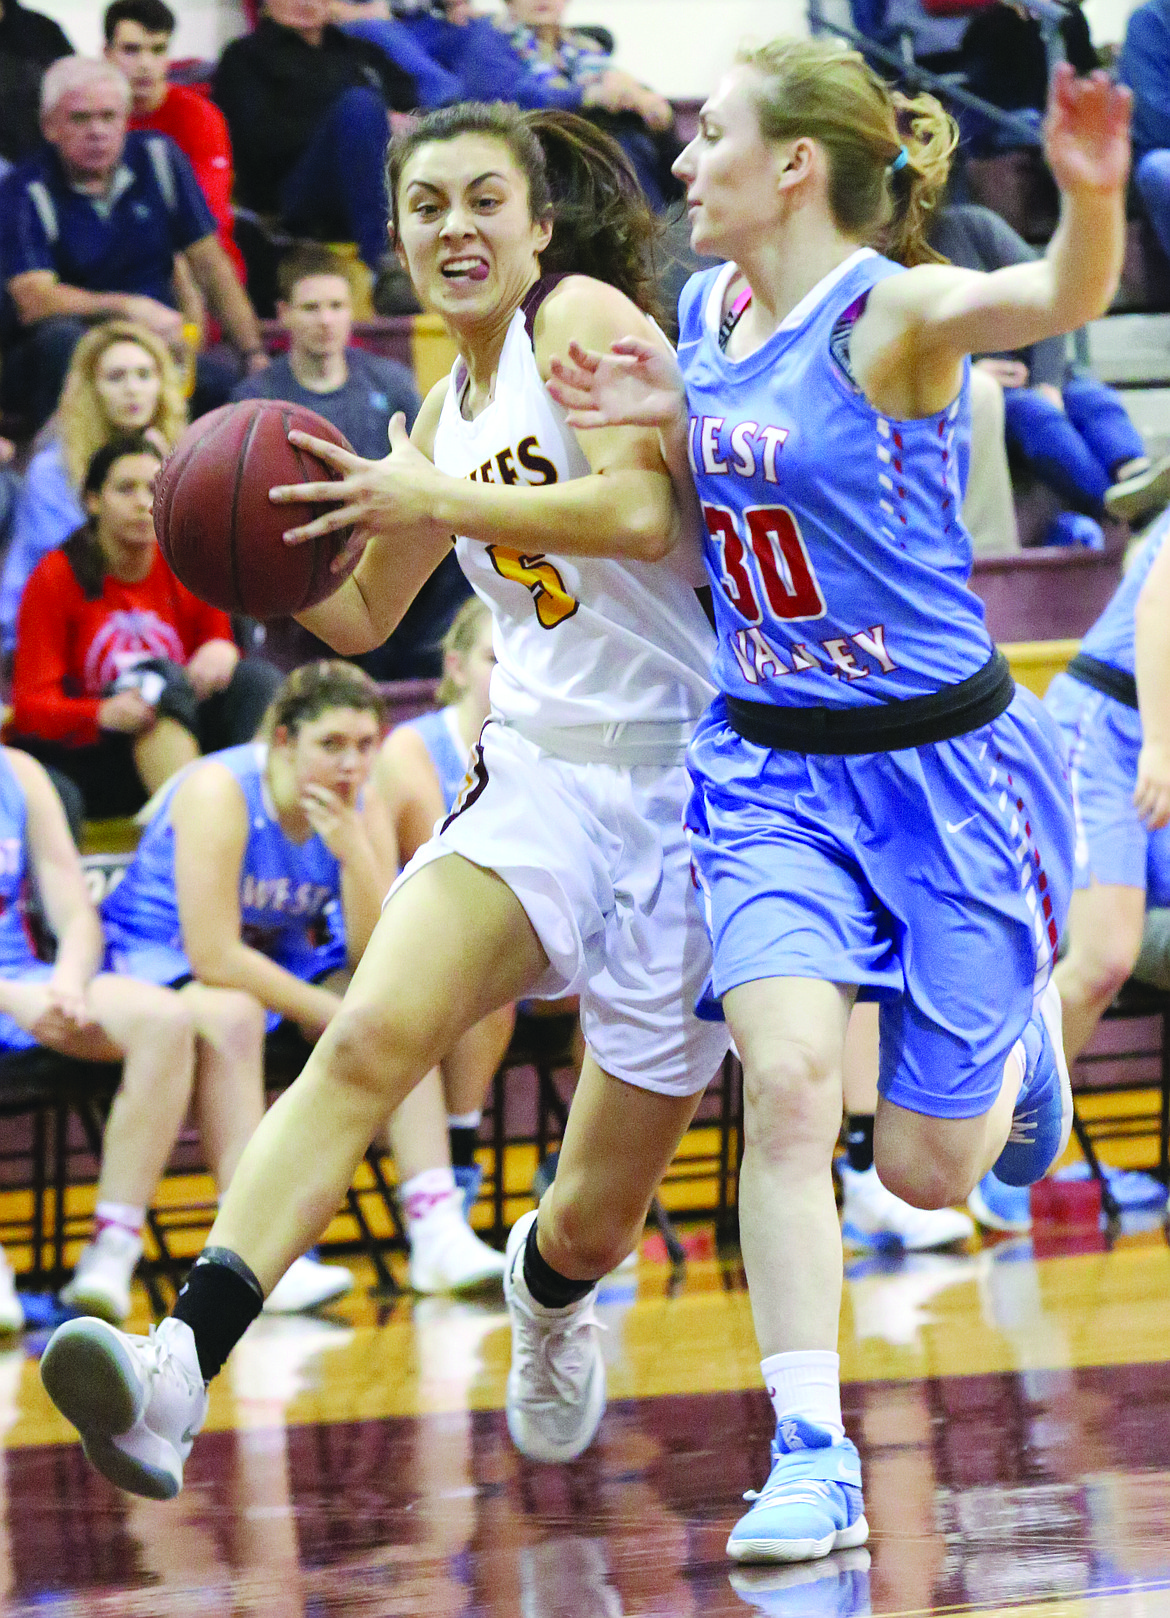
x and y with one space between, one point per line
625 508
399 546
637 383
1152 668
926 321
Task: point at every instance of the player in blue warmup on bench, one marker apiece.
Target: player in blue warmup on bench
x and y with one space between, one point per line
172 1047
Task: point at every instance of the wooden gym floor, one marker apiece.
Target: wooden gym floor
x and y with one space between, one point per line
1011 1402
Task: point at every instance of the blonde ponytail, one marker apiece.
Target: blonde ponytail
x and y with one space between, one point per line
822 89
929 137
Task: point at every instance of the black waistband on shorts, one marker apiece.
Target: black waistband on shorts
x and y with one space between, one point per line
1115 683
884 728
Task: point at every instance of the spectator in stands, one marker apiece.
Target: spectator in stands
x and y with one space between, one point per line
28 44
138 37
374 21
1144 64
263 870
308 110
1005 60
121 380
355 390
1070 429
170 1045
566 58
93 225
529 58
935 42
358 392
120 672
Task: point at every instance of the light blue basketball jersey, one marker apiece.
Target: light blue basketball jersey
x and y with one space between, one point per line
1111 639
449 761
835 547
290 892
17 955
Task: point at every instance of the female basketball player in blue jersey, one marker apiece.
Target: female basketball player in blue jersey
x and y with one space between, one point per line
875 809
259 871
1113 706
172 1047
563 867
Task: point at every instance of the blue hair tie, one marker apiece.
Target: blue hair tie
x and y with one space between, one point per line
900 161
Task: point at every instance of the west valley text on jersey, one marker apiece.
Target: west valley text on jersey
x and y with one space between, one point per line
761 564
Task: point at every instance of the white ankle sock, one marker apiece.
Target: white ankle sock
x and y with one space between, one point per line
427 1194
464 1120
806 1383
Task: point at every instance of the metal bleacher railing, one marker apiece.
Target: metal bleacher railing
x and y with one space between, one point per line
947 86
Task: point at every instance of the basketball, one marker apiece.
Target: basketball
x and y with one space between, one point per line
216 525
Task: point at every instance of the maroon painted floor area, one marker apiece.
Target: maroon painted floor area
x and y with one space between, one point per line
982 1490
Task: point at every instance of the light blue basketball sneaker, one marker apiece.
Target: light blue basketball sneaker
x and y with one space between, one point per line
1001 1207
1044 1108
811 1503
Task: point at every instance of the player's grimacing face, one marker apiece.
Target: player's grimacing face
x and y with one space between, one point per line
335 750
128 385
464 225
729 169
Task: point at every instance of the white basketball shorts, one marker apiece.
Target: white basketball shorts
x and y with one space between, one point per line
597 856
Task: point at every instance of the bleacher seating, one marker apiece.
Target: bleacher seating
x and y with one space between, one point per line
1050 593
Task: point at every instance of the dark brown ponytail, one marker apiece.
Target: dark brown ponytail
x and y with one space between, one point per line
604 227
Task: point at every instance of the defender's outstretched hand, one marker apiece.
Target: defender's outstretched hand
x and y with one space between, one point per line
386 499
637 384
1086 131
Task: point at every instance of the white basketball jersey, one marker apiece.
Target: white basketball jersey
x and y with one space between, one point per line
579 641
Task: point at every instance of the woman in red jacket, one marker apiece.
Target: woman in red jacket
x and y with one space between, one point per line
121 674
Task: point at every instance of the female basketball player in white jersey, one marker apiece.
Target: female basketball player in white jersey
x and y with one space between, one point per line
875 810
563 868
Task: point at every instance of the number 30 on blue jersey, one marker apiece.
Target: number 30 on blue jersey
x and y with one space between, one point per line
767 570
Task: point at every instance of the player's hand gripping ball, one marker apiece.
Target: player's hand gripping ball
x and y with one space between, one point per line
218 529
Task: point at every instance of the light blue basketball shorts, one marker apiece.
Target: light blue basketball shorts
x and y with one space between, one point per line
152 961
1102 739
936 879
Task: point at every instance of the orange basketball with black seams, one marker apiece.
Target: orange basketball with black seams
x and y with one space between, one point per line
218 529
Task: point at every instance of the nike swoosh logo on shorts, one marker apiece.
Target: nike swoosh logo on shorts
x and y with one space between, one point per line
959 824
